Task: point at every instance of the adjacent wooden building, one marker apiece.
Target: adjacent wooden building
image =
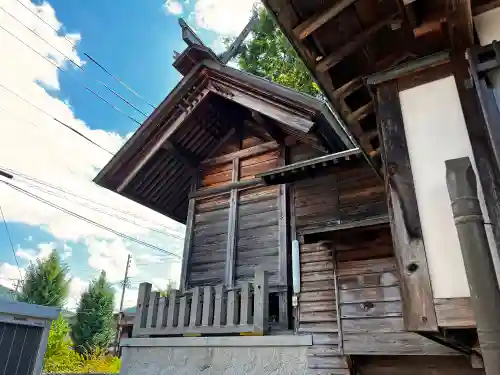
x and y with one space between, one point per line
357 182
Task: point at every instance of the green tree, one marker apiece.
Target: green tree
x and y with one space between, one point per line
270 55
59 340
46 282
93 331
170 286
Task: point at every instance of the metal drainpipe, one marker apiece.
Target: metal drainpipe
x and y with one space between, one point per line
484 291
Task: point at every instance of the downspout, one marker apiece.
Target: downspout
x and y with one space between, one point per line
478 261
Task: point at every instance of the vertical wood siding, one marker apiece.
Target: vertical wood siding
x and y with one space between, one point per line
256 215
344 195
208 251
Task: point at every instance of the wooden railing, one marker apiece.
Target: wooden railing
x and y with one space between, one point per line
204 311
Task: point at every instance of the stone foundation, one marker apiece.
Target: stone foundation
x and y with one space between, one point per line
276 355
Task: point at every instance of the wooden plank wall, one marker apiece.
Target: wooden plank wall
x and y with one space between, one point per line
258 233
411 365
345 195
357 267
256 212
208 249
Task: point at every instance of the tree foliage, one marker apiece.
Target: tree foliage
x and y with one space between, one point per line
170 286
93 327
46 282
270 55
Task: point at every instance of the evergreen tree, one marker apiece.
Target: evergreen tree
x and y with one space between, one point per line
93 331
270 55
46 282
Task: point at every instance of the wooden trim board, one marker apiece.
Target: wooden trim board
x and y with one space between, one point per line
416 290
454 313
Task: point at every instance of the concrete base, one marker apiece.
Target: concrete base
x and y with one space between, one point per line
276 355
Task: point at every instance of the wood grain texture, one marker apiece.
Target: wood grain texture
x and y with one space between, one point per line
419 313
455 313
415 365
401 343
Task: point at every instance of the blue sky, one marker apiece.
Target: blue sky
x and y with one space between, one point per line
133 39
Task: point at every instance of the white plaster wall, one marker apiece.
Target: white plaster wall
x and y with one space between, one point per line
214 361
488 26
435 131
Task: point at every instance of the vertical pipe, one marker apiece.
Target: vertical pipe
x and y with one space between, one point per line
296 280
485 294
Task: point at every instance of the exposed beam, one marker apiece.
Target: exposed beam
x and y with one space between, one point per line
406 228
348 88
274 131
156 143
307 27
226 188
460 24
361 112
280 113
249 128
247 152
353 45
186 157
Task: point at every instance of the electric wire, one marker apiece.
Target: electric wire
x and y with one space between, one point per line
125 212
86 54
52 117
123 218
74 214
72 61
62 70
11 243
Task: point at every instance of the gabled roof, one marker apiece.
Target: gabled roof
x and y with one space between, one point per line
156 166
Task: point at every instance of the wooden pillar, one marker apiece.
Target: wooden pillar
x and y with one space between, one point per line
232 228
283 244
188 239
418 303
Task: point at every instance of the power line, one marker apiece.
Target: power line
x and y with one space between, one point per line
53 118
125 212
100 211
11 244
62 70
72 61
104 227
86 54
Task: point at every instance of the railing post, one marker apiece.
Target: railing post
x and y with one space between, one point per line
142 308
162 312
483 285
220 311
154 299
195 319
173 309
261 302
232 308
183 312
246 307
208 306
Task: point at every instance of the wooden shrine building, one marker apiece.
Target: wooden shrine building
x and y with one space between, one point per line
320 237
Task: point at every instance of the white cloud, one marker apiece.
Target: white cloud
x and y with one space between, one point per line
76 287
42 252
10 275
174 7
36 145
226 17
110 256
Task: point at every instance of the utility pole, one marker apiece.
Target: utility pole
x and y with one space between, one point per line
124 286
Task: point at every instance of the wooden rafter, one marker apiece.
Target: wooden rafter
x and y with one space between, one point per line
307 27
357 42
185 156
